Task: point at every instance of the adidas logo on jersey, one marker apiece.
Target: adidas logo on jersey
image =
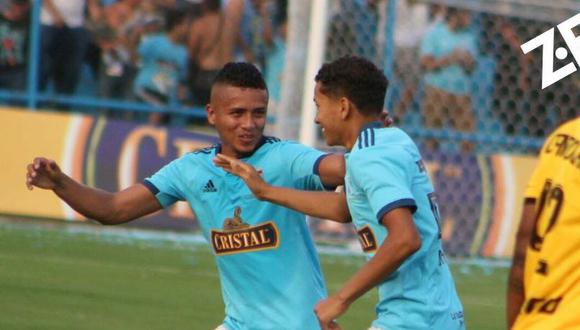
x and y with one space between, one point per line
209 187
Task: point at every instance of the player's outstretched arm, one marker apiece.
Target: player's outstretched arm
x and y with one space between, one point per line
403 240
516 292
307 202
102 206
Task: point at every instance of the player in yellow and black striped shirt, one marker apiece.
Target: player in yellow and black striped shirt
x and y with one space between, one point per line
544 284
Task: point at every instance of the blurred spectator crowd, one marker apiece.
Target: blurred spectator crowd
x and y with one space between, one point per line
160 52
447 66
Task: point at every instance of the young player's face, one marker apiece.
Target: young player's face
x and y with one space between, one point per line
239 116
328 116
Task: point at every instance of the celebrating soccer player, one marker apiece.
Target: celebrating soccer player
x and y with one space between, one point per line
270 273
389 197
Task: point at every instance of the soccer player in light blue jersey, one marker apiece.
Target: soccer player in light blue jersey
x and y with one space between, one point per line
389 197
269 270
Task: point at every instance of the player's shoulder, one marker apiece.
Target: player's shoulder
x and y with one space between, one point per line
571 127
201 154
377 138
567 134
383 143
271 142
204 151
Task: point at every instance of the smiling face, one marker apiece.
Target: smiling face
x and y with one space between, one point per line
329 116
239 116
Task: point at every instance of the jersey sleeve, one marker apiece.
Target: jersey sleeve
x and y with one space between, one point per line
303 163
384 178
165 184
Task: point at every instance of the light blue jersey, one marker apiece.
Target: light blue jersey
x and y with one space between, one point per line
384 171
163 65
269 270
440 41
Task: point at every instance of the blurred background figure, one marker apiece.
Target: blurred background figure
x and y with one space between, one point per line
448 54
64 40
117 48
14 23
163 65
276 54
412 21
248 30
208 51
500 41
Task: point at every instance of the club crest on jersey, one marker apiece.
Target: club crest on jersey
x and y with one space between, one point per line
238 236
367 239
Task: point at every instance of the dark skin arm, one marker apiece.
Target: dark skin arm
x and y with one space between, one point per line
516 290
332 170
102 206
403 240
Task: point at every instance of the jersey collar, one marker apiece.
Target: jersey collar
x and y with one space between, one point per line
372 124
218 147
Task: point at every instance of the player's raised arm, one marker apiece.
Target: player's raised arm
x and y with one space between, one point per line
102 206
307 202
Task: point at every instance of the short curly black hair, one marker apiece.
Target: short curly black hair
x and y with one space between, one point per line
240 74
357 79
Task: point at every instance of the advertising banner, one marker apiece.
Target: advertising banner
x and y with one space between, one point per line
479 196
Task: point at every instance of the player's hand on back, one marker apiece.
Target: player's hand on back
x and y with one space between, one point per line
243 170
43 173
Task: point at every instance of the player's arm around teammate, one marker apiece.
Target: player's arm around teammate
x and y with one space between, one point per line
307 202
102 206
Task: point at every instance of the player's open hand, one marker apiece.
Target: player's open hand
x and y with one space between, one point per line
43 173
245 171
328 310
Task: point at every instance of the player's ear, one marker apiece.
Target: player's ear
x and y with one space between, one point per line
210 114
345 107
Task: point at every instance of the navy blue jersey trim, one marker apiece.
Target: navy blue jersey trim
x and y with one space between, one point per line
272 139
366 133
405 202
316 167
149 185
316 170
372 136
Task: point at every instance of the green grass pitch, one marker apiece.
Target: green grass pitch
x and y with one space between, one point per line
52 278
